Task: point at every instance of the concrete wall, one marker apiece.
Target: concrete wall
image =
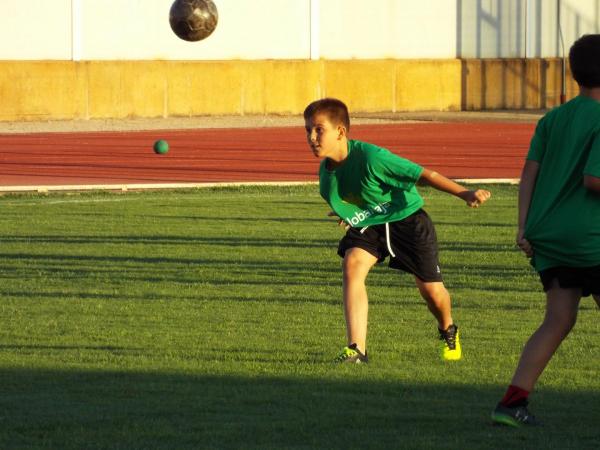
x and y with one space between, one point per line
514 84
97 89
46 34
522 28
247 29
139 30
119 58
103 89
387 29
295 29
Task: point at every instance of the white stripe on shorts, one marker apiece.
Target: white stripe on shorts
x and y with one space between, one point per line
387 240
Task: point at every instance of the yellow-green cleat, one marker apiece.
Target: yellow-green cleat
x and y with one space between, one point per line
450 338
351 354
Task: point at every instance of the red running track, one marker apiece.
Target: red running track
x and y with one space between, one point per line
457 150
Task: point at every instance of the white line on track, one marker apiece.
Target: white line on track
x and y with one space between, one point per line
150 186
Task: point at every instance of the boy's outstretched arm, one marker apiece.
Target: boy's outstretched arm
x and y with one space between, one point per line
526 186
441 183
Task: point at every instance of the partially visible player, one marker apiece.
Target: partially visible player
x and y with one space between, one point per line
373 193
559 222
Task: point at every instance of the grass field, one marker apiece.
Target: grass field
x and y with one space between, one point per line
208 319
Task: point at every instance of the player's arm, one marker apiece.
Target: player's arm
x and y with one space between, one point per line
592 183
526 186
591 171
441 183
341 222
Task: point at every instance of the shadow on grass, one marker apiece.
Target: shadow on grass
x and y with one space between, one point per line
56 261
344 408
240 219
101 348
242 241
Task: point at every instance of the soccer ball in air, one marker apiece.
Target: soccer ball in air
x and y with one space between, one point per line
193 20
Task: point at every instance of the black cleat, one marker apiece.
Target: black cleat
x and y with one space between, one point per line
515 416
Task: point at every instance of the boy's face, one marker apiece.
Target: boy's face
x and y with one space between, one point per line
324 138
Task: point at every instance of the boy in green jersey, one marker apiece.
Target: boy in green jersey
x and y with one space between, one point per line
559 222
373 193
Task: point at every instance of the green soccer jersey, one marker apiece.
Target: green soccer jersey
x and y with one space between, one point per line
563 221
372 186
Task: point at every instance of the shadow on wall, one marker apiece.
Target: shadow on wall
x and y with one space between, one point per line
490 29
513 83
522 28
503 51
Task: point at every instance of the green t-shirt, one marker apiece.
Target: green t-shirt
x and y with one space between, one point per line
563 221
373 186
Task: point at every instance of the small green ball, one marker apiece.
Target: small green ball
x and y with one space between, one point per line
161 147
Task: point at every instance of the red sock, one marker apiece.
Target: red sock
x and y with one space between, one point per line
514 396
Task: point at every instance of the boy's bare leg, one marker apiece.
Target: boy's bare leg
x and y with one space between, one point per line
438 301
561 314
356 266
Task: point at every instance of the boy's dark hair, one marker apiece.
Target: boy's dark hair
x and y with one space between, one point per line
335 109
584 58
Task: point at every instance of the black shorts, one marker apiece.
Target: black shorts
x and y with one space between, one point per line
586 278
411 244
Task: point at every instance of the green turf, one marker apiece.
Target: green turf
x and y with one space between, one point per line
208 319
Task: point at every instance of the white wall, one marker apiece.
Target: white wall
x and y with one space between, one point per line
578 17
247 29
387 29
491 28
35 29
294 29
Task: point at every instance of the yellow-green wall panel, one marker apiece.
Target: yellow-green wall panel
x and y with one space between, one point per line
362 85
290 86
514 84
508 85
427 85
551 82
253 82
201 88
118 89
41 90
125 89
